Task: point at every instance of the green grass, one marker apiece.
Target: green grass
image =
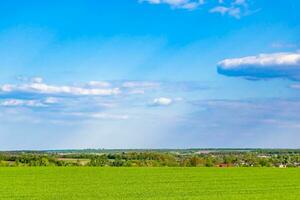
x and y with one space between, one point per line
149 183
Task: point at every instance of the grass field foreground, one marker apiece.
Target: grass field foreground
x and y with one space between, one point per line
53 183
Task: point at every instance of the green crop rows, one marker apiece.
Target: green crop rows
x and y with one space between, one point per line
149 183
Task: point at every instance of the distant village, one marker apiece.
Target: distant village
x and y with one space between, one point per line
154 158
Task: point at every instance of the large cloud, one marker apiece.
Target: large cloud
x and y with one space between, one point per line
277 65
94 100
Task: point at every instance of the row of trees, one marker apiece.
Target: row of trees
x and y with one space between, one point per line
154 159
32 160
197 160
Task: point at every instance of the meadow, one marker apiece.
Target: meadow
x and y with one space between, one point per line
56 183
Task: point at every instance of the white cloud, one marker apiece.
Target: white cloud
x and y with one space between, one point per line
234 8
232 11
280 45
140 84
6 88
182 4
42 88
109 116
240 2
98 84
219 9
29 103
20 102
51 100
66 103
162 101
101 115
285 65
37 80
136 92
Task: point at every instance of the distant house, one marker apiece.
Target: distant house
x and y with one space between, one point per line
263 156
282 166
224 165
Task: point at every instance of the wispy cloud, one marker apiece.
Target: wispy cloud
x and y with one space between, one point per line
283 65
181 4
51 100
39 87
21 102
234 8
251 111
162 101
94 100
232 11
98 84
98 115
284 45
140 84
295 86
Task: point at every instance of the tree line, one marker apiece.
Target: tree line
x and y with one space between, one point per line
154 159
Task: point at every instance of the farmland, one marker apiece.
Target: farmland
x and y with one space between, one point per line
45 183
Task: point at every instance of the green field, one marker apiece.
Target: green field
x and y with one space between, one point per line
149 183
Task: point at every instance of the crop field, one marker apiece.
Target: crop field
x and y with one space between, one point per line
65 183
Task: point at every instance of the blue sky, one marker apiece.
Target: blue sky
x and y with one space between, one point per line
149 74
